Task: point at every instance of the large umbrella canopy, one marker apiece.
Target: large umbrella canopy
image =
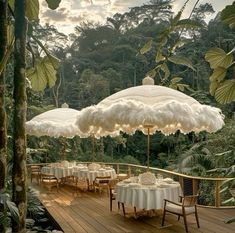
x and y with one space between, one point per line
55 123
149 108
59 122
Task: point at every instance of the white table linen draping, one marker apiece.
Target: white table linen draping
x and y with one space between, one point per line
60 172
91 175
147 196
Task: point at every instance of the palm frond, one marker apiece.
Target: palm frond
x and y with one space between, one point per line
35 207
13 210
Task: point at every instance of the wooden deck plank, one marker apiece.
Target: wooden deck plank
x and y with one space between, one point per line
60 219
69 208
69 219
52 208
103 218
59 209
85 214
88 212
101 205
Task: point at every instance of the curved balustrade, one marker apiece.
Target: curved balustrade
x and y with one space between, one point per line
208 188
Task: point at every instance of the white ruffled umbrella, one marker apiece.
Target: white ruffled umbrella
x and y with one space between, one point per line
59 122
149 108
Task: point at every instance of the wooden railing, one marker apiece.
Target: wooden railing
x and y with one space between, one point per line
191 185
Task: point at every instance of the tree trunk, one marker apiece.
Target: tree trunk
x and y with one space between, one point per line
3 134
19 173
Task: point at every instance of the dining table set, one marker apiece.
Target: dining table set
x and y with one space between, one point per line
78 171
147 191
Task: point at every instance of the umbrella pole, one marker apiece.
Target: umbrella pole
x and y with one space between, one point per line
93 148
64 149
148 148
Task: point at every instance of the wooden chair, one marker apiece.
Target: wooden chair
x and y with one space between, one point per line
35 171
112 195
49 181
186 206
101 182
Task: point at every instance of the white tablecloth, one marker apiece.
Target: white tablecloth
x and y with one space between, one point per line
91 175
60 172
146 196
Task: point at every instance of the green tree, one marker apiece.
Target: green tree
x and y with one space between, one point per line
19 174
93 88
152 13
167 55
3 129
22 9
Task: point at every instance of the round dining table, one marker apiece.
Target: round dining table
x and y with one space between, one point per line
147 197
90 175
60 171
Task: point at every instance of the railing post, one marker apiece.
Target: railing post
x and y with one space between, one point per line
181 181
129 170
217 193
117 168
195 186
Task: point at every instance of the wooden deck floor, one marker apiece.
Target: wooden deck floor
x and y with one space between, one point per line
89 212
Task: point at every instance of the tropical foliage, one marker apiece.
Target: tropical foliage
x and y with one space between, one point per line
101 59
14 34
222 81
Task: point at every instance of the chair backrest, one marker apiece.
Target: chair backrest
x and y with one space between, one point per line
47 176
35 168
102 179
189 200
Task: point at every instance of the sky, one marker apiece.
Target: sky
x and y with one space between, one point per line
71 12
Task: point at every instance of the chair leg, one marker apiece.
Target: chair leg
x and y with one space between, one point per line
197 219
185 223
118 206
135 212
123 209
111 204
163 217
88 184
178 217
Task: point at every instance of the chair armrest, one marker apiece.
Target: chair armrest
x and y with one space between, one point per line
189 196
181 198
175 203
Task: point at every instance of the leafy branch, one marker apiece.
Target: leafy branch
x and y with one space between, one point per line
165 53
221 86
